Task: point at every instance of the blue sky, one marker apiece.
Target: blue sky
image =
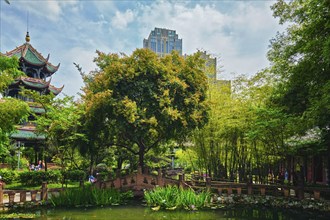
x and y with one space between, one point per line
237 32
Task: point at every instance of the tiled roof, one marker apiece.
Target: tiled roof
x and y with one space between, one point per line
32 56
37 110
37 84
27 133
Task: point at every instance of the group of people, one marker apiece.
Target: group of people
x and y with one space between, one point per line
39 166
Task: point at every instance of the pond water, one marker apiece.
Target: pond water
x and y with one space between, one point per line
143 213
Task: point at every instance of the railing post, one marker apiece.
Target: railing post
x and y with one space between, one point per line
22 196
249 188
316 195
11 197
229 190
33 195
208 183
44 195
300 192
286 192
160 181
1 195
181 179
263 191
239 191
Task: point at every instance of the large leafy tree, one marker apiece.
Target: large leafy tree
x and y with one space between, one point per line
301 61
60 124
144 100
12 111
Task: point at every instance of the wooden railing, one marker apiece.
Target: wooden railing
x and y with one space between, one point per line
11 197
140 181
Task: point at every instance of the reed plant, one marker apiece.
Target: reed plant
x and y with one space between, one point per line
90 196
173 197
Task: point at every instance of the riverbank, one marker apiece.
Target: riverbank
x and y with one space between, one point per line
136 211
217 202
224 201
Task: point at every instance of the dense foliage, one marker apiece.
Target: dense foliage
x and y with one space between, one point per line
301 62
12 111
139 102
8 176
37 178
74 175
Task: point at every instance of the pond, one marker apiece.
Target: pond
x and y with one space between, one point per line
142 213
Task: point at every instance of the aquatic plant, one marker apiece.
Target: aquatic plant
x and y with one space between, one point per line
173 197
90 196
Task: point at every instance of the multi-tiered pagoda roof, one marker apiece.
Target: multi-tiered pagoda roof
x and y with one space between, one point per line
37 69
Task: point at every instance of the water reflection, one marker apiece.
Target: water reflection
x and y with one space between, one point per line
142 213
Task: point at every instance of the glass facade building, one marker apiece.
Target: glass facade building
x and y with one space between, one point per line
163 41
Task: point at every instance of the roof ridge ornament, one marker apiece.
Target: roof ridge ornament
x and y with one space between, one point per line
27 37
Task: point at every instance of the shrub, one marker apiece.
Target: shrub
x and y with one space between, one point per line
8 176
172 197
90 196
105 175
74 175
35 178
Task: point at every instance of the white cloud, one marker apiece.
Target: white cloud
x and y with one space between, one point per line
121 20
71 31
241 35
68 75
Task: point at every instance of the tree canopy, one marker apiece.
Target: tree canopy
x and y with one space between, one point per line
12 111
301 62
145 100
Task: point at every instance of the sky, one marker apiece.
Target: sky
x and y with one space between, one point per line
236 32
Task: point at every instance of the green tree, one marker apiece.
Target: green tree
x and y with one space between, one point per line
12 111
144 100
301 62
60 125
208 142
8 71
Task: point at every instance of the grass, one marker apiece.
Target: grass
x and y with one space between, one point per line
172 197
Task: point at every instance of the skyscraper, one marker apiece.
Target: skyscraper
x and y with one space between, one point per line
163 41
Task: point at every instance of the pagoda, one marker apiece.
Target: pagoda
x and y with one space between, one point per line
37 70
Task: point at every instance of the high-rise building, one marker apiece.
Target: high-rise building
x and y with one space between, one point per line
163 41
210 64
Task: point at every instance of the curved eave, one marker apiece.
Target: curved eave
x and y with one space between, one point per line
51 68
27 133
16 52
35 83
37 110
55 90
25 60
30 55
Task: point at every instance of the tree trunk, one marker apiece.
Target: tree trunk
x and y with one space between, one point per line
91 164
141 156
